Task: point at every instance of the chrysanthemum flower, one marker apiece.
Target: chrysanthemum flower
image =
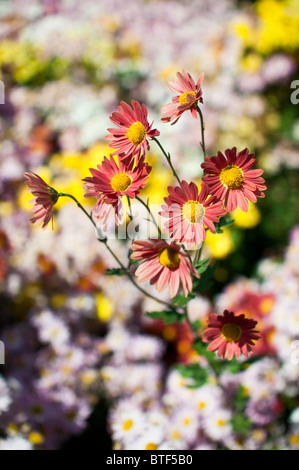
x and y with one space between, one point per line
230 334
188 93
163 264
44 200
230 178
132 137
113 181
188 211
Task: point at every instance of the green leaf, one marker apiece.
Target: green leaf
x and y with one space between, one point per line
180 300
206 279
223 222
198 374
168 316
115 272
241 424
202 266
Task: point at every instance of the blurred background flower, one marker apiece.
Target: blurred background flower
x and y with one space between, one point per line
83 364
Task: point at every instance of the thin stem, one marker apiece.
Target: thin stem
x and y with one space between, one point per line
198 254
202 130
168 158
79 205
130 207
151 214
115 256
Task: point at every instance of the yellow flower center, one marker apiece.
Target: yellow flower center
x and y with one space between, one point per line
128 424
193 212
183 98
232 177
120 182
151 446
136 133
170 258
36 438
220 422
201 405
231 332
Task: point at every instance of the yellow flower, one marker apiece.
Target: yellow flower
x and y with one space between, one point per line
220 245
247 219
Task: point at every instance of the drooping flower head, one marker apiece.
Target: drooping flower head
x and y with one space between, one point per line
230 334
230 178
112 180
163 264
188 211
134 130
188 93
44 200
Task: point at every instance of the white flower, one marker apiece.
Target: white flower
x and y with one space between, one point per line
217 425
5 399
15 443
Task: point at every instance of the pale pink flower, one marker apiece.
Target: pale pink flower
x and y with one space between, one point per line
113 180
134 130
188 93
44 200
230 178
163 264
188 212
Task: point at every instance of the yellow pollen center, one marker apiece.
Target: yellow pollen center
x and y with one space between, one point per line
120 182
232 177
231 332
201 405
193 212
136 133
170 258
128 424
220 422
183 98
151 446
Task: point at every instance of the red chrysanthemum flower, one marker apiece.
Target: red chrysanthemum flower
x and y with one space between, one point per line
188 212
188 94
44 200
230 334
112 180
230 178
163 264
131 138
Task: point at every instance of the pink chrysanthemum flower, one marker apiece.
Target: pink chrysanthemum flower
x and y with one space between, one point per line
103 211
230 334
188 212
188 94
230 178
112 180
44 200
163 264
132 137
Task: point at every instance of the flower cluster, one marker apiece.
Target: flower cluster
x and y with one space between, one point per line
139 315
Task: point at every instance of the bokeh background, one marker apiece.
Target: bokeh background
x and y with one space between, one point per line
85 366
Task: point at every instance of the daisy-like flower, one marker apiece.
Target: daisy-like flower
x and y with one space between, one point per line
231 179
230 334
113 180
134 130
163 264
188 93
188 211
45 198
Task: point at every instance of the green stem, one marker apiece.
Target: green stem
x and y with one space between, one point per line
168 158
79 205
151 214
114 255
130 208
202 131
